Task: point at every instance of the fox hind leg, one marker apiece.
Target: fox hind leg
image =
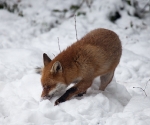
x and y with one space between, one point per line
106 79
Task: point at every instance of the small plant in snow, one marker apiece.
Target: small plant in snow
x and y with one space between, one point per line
144 88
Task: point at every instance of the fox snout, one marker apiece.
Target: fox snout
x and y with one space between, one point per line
48 91
45 95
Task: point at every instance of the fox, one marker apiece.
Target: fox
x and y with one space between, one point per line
96 54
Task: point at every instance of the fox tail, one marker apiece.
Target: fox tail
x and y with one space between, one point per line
38 70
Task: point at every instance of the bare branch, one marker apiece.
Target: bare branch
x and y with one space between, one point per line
58 44
75 27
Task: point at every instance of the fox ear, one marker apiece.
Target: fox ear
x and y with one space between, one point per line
46 59
56 67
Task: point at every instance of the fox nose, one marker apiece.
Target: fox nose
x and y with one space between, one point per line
43 98
46 97
44 94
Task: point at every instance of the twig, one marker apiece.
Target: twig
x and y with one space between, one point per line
141 89
144 87
75 27
148 4
75 10
146 84
58 44
89 3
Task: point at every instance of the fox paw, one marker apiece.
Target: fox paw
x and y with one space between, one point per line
57 102
60 100
81 94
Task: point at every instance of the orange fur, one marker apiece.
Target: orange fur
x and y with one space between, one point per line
96 54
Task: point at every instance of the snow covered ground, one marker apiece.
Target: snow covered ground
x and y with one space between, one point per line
24 39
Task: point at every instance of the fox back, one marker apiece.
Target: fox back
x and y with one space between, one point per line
96 54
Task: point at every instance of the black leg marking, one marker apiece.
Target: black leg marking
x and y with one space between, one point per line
64 97
81 94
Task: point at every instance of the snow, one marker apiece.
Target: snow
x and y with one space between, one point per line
25 38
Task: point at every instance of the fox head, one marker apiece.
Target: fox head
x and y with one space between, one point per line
52 77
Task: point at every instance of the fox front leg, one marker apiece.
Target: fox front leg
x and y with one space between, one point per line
81 94
66 96
79 88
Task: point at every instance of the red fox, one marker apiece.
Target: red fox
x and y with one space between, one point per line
96 54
